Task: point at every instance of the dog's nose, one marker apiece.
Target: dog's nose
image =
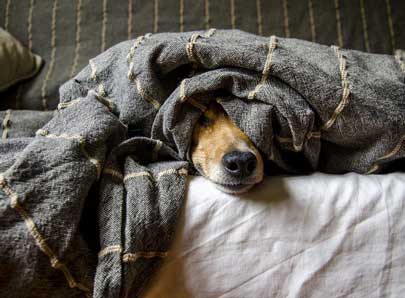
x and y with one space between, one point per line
239 164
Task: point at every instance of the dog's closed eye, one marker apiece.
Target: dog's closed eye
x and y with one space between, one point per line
205 121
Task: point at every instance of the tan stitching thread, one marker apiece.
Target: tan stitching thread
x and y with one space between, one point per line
99 96
220 100
167 172
93 74
132 257
156 149
39 239
266 69
82 143
131 53
312 20
309 135
156 16
372 170
29 28
400 57
53 54
104 26
207 20
110 249
77 38
45 133
7 15
94 161
190 44
136 44
271 155
101 90
346 90
284 139
181 172
196 104
394 151
232 9
390 25
313 134
210 32
190 48
64 105
184 97
259 17
6 123
129 19
364 23
151 100
288 140
113 172
181 14
338 24
285 17
137 174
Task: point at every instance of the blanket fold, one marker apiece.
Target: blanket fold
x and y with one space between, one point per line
305 106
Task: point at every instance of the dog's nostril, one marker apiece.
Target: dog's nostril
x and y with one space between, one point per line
251 166
239 164
232 166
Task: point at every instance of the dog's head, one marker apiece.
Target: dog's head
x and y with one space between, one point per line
224 154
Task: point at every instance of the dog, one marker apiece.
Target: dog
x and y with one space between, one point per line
224 154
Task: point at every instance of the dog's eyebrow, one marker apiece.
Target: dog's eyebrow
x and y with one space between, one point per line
209 114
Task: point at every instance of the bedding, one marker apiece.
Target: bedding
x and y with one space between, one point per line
305 236
63 211
66 34
328 109
305 106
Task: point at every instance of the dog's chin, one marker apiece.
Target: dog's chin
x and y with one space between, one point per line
233 188
229 185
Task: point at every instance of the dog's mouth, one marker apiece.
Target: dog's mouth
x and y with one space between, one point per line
233 188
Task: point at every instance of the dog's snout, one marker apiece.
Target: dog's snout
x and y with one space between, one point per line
239 164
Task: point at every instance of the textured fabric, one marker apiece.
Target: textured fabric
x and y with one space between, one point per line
22 123
305 106
305 236
69 33
17 62
49 244
115 150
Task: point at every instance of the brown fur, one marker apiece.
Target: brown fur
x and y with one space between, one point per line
214 136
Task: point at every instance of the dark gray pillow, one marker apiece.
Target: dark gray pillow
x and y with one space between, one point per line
17 62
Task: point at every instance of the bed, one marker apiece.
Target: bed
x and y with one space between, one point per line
304 236
312 235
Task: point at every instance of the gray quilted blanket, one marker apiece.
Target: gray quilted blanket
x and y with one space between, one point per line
88 205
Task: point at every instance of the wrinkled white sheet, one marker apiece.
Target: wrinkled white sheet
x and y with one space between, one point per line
309 236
